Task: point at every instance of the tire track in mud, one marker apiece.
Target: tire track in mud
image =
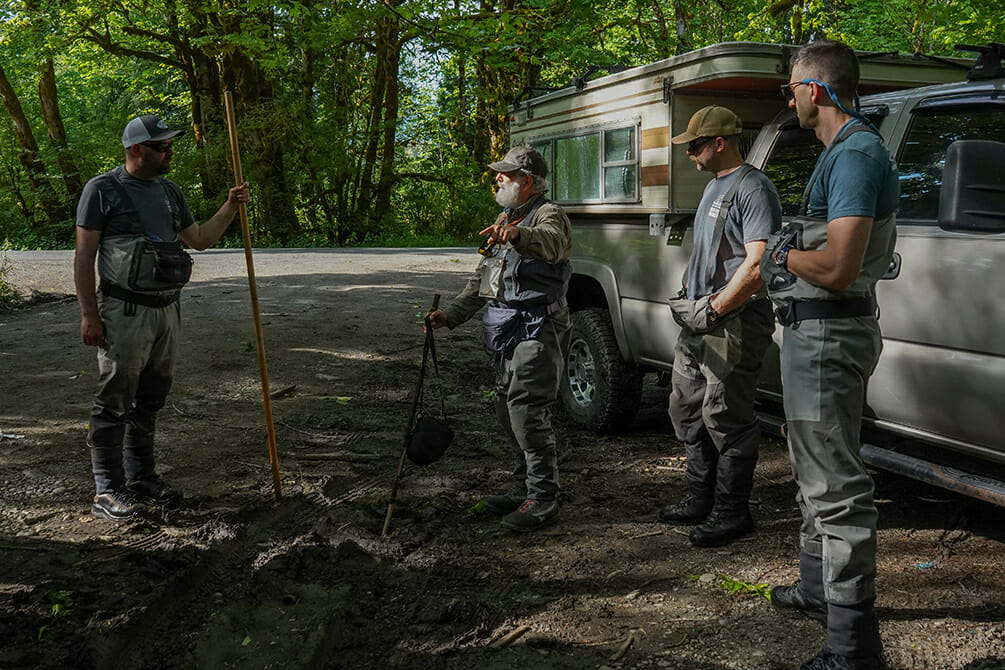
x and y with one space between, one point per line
165 634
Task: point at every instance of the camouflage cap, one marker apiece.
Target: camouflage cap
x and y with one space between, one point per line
527 159
711 121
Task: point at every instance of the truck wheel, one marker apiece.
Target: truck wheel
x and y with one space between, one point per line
600 391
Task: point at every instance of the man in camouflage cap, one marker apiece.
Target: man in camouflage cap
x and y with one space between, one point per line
522 280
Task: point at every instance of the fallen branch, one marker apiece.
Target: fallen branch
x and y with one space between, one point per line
509 638
624 647
285 391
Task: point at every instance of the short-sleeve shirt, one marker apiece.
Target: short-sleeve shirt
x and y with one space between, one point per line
160 203
755 214
855 177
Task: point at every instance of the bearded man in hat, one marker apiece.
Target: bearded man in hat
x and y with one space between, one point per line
133 221
522 280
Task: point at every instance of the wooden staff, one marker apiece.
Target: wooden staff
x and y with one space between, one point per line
411 417
263 369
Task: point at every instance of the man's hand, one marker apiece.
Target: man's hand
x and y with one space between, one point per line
436 319
501 233
239 194
92 332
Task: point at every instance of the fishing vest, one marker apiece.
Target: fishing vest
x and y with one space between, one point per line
521 281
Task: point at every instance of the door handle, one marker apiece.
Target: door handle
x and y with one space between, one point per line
893 271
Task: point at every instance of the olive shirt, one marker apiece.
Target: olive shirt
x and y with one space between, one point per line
547 237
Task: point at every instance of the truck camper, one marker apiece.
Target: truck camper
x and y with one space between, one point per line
934 403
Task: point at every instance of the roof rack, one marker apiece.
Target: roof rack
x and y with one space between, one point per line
989 61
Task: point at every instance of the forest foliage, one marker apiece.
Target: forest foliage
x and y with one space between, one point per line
361 122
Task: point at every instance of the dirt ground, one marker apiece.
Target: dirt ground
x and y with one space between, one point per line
235 579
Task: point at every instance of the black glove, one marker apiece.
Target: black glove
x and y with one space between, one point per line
774 260
696 316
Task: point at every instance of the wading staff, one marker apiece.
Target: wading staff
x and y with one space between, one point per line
263 369
411 415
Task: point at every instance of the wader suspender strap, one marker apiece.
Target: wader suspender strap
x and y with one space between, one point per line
720 223
848 132
135 225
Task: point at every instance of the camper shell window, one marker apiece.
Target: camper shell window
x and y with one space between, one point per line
596 166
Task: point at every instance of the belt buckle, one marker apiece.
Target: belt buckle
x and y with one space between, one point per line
785 313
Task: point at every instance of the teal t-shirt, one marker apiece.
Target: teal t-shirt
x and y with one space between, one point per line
856 177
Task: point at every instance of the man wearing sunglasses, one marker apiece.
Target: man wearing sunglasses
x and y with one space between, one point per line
726 325
133 220
821 273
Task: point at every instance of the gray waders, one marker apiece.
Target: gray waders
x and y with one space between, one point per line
527 384
711 405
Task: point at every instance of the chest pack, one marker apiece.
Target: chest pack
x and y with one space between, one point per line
509 277
135 262
809 233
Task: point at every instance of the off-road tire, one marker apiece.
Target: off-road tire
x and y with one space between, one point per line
600 390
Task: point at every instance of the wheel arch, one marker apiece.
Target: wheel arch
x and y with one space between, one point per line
593 284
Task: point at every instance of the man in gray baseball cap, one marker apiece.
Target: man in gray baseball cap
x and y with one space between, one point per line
133 220
522 280
147 128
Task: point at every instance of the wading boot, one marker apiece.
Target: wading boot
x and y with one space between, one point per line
118 505
828 660
505 503
532 515
691 509
794 601
721 528
155 492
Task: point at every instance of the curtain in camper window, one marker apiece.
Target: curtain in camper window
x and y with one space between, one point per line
577 170
619 164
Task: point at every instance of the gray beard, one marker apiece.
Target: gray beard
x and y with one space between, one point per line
509 195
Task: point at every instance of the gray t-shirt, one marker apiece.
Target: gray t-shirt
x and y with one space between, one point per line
755 214
160 203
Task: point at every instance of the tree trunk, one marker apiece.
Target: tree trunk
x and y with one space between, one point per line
57 134
54 210
390 127
263 148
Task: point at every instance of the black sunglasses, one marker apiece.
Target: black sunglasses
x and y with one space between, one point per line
788 91
694 146
160 147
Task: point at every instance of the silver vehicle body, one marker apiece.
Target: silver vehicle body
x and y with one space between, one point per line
942 372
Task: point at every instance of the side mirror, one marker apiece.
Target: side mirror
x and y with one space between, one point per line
972 199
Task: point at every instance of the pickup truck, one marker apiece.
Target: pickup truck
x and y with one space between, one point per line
934 405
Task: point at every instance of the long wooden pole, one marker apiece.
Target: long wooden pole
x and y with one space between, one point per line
263 369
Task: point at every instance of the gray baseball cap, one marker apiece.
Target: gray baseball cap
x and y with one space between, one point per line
147 128
527 159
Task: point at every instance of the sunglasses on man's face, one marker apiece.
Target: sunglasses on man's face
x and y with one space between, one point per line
788 90
160 147
694 146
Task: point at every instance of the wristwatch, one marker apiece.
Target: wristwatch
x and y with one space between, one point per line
710 314
781 257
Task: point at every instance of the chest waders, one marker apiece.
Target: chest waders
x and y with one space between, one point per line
711 403
138 305
137 269
522 293
831 345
